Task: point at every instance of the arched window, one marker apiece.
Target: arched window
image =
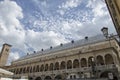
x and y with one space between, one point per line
83 62
28 69
20 70
31 69
57 66
51 67
76 63
24 70
46 67
90 61
42 68
37 68
109 59
58 77
38 78
34 69
48 78
69 64
14 71
62 65
17 71
100 60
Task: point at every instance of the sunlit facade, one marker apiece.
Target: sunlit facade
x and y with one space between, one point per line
87 58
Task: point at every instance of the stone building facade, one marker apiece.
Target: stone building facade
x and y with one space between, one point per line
96 57
4 54
114 9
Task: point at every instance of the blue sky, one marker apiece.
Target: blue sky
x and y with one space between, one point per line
31 25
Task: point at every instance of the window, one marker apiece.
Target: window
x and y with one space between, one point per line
6 49
74 76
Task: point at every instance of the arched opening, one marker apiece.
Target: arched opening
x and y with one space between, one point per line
28 69
58 77
100 60
34 69
37 68
38 78
76 63
62 66
48 78
17 71
57 66
20 70
108 74
69 64
51 67
109 59
83 62
31 69
14 71
46 67
90 61
42 68
24 70
30 78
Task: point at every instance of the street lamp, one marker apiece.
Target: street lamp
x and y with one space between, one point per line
105 31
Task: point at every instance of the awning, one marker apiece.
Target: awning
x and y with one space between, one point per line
4 72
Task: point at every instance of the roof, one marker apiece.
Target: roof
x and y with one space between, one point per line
72 44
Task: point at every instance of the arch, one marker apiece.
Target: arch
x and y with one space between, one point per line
58 77
38 78
100 60
14 70
69 64
24 70
48 78
20 70
28 69
63 65
83 62
51 67
17 71
31 69
57 66
90 61
34 69
107 73
31 78
37 68
109 59
76 63
46 67
42 68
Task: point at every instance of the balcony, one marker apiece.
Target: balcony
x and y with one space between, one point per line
84 69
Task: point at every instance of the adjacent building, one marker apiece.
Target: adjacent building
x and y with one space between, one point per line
114 9
97 57
3 60
4 54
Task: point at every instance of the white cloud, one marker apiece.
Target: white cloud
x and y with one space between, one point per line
68 5
98 7
12 57
11 29
39 40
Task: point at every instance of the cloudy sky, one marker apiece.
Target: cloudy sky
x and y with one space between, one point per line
30 25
